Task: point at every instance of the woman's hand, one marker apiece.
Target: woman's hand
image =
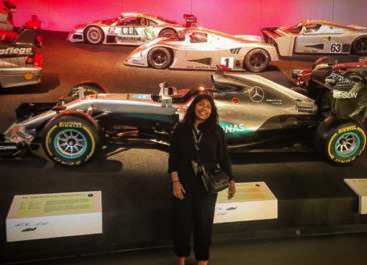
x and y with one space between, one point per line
231 189
178 190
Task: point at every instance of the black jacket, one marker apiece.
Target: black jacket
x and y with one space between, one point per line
213 150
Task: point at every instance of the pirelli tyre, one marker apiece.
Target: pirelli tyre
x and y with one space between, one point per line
159 58
256 60
341 142
70 140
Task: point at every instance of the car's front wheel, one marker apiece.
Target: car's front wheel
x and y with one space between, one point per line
93 35
159 58
256 60
342 142
70 140
359 46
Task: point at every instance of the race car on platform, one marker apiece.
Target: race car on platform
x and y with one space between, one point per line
20 61
130 28
317 37
325 66
255 113
204 49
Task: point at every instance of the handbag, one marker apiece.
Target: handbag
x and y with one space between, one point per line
213 179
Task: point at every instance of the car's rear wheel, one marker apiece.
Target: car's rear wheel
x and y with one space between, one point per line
70 140
359 46
257 60
159 58
342 142
168 33
93 35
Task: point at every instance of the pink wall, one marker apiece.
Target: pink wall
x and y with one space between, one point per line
233 16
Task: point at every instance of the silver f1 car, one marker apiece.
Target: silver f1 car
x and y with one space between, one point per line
318 36
204 49
255 113
128 29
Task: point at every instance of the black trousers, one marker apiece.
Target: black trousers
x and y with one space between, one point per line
193 215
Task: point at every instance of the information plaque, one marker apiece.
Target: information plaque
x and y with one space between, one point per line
51 215
253 201
359 186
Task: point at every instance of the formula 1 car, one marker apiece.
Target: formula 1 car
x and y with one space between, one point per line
20 61
317 36
204 49
255 113
131 28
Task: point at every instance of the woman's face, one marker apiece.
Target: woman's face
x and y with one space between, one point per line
203 109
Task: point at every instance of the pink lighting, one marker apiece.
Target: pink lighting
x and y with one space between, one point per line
232 16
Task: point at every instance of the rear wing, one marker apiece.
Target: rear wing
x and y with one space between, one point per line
191 20
26 38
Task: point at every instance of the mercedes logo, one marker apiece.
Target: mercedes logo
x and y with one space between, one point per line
256 94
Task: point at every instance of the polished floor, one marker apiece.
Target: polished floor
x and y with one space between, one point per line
326 250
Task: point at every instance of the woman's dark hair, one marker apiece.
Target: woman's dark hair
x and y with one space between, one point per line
190 117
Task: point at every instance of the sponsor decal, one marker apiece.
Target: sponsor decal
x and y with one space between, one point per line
256 94
8 147
274 101
235 130
70 124
16 51
340 78
235 100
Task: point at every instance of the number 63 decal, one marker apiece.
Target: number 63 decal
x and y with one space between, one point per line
336 48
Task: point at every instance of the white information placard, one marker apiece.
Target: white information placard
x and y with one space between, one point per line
51 215
359 186
253 201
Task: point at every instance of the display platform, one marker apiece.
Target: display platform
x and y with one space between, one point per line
312 196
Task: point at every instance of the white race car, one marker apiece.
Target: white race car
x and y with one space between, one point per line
131 28
204 49
318 37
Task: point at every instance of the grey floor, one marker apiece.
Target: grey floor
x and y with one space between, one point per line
326 250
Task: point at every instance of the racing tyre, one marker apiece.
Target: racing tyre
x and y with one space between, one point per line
93 35
88 89
168 33
359 46
70 140
159 58
342 142
257 60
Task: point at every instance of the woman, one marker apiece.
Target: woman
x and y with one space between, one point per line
193 207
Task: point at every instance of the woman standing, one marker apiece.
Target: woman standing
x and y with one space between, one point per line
193 207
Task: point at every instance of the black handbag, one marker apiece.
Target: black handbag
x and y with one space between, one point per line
213 179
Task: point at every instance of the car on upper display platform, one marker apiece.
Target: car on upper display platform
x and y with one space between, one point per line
204 49
20 61
255 113
130 28
317 37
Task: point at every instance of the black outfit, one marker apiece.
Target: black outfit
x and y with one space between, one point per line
195 212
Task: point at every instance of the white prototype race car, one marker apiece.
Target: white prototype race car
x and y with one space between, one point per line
317 37
204 49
